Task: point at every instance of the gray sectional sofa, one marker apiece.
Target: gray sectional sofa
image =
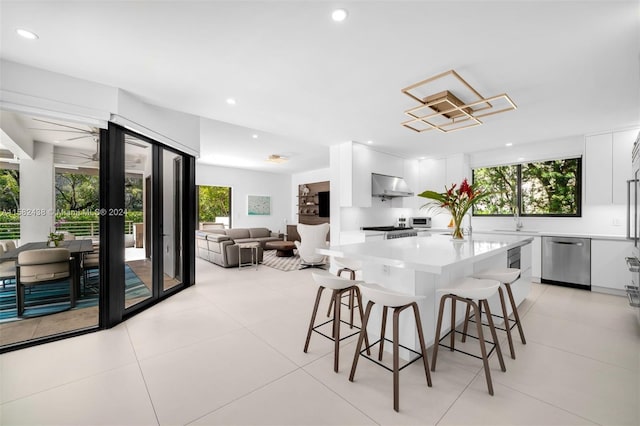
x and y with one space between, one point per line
220 246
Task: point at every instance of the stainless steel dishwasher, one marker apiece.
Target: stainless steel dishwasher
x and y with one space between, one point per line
566 261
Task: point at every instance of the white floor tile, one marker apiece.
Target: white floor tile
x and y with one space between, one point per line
506 407
43 367
154 334
617 347
591 389
193 381
116 397
296 399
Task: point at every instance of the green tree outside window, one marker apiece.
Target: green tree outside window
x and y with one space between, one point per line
546 188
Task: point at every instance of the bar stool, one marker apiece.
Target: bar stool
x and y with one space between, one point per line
506 276
339 286
399 302
351 266
470 290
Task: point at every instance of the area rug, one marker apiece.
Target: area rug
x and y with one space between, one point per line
286 264
49 298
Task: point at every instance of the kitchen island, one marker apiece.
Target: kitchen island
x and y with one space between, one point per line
422 265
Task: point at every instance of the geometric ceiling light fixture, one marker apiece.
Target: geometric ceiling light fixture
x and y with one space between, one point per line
449 103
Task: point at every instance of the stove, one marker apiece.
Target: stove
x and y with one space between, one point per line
392 232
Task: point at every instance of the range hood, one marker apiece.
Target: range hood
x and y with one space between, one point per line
389 186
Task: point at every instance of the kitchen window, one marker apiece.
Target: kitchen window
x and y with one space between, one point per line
543 188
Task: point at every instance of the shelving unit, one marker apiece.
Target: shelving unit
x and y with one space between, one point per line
309 204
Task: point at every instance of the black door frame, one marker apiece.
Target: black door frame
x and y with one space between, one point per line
112 173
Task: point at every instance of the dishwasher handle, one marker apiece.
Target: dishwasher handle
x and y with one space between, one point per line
567 243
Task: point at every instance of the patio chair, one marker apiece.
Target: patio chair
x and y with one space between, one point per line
7 269
40 266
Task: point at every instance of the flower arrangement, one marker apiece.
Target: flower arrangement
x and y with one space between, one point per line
54 237
457 202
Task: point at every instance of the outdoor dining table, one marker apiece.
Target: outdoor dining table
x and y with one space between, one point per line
76 249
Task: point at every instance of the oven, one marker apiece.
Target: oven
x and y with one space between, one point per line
420 222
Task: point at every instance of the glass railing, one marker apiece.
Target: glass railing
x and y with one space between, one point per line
11 230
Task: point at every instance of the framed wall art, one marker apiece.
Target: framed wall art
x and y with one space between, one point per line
259 205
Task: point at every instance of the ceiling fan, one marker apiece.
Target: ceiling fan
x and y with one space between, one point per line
90 132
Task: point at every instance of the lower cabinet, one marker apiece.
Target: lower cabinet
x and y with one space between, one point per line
609 272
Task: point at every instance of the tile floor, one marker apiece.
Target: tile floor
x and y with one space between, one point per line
229 351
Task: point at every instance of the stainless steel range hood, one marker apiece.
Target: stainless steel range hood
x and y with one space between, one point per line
389 186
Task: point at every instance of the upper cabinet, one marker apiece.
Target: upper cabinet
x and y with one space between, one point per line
608 166
357 167
621 150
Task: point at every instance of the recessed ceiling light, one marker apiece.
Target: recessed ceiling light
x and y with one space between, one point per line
339 15
231 101
369 142
508 144
254 136
27 34
421 158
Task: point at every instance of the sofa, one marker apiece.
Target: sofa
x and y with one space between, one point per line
220 246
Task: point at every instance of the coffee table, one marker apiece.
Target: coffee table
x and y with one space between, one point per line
283 248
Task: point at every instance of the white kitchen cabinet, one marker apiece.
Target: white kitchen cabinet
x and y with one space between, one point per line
608 166
598 169
608 266
536 259
364 162
621 163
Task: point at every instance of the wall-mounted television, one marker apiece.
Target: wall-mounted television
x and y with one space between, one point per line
323 204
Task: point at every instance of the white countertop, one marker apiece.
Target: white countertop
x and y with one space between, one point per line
530 233
429 253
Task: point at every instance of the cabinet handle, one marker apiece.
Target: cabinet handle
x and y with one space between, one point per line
629 182
566 243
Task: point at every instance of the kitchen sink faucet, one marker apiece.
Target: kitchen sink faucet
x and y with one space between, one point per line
516 218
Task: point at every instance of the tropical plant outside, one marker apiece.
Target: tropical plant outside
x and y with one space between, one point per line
213 201
77 203
544 188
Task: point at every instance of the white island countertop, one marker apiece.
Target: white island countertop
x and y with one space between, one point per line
431 253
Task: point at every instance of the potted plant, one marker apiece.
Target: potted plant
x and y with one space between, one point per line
456 202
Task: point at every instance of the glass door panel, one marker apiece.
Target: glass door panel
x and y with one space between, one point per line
172 196
138 204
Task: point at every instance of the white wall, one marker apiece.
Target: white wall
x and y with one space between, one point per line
246 182
173 128
41 92
29 90
37 204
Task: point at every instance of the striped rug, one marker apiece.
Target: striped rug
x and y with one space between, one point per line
49 298
286 264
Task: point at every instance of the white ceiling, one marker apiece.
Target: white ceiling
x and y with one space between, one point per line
303 82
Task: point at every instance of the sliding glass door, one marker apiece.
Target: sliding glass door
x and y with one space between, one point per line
150 222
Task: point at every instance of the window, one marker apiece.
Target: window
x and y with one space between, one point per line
214 204
546 188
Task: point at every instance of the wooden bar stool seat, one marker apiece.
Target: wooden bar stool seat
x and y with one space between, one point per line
473 292
339 286
399 302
